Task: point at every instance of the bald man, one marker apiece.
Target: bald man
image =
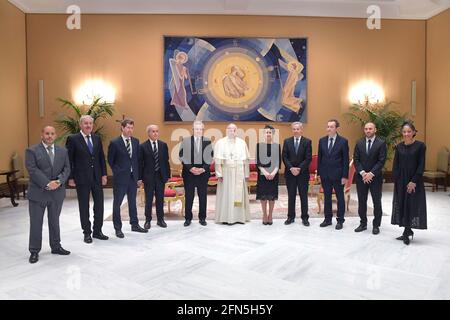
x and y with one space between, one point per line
154 171
49 168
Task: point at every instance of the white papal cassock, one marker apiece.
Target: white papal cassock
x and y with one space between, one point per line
231 159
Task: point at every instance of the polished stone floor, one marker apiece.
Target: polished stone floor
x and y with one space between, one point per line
249 261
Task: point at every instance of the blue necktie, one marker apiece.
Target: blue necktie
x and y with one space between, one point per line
330 146
89 143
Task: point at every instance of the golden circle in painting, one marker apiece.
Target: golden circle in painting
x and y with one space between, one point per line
235 80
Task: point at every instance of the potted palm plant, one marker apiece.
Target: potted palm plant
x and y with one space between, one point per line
70 123
386 118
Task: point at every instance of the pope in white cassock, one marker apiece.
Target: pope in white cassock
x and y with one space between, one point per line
231 159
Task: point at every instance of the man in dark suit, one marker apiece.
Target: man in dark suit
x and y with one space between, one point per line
123 158
297 154
196 154
88 175
332 171
369 158
154 171
49 169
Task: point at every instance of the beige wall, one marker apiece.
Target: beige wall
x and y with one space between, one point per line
13 91
438 86
126 50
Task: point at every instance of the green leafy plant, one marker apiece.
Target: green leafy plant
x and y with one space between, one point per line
386 118
70 123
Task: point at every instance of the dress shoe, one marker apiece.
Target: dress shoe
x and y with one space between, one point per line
87 238
119 234
339 226
270 223
34 257
305 223
147 225
203 222
162 224
138 228
187 223
61 251
100 236
289 221
325 224
376 230
361 228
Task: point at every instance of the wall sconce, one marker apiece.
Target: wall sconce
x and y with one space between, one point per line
366 92
93 89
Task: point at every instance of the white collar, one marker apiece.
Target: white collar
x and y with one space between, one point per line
46 146
125 138
151 141
84 135
371 139
332 137
299 138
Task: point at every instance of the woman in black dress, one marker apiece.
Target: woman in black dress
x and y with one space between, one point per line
409 208
268 160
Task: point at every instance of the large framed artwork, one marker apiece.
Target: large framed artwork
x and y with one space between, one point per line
235 79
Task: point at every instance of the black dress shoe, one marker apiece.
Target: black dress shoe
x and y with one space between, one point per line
119 234
376 230
138 228
270 223
203 222
339 226
187 223
162 224
87 238
361 228
61 251
325 224
100 236
289 221
147 225
34 257
305 223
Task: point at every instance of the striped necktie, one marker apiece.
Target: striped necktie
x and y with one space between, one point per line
155 155
128 147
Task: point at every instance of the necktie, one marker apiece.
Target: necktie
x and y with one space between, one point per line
369 145
89 144
197 144
128 147
330 145
155 155
296 145
51 154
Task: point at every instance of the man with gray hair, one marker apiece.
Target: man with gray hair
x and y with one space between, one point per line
49 169
196 156
297 155
154 171
88 175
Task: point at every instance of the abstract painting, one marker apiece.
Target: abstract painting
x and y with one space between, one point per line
235 79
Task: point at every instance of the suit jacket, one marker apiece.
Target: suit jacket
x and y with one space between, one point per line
372 162
300 159
86 168
189 156
333 165
41 171
120 162
147 161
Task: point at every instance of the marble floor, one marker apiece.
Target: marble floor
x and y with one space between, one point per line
249 261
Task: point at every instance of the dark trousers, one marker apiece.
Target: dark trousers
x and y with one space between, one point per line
201 183
83 194
300 183
328 186
154 187
375 188
119 192
36 210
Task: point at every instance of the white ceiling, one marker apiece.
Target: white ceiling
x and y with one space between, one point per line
390 9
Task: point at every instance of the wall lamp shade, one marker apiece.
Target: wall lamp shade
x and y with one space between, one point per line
366 92
93 89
